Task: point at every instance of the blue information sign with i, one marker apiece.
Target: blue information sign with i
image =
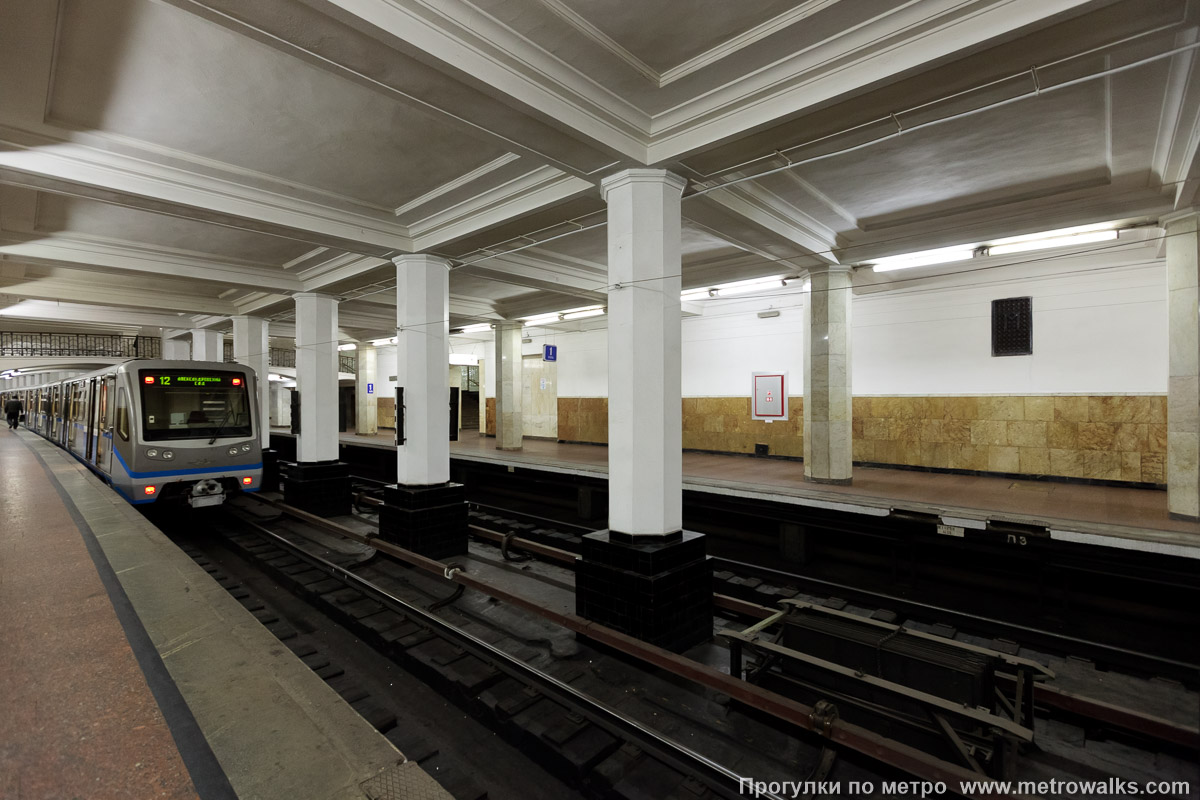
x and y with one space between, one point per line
370 388
549 352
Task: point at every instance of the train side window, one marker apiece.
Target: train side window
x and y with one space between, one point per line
122 415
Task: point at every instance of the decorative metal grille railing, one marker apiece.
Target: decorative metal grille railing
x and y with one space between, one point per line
285 357
96 345
282 357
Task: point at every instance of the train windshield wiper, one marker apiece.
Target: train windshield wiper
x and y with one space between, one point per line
221 427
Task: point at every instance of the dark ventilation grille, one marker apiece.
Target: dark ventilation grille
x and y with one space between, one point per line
1012 326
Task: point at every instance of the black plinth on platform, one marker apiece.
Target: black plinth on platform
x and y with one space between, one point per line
428 520
658 589
318 487
270 470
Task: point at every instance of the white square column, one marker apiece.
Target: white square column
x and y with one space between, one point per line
645 425
510 385
173 347
366 413
251 348
207 345
828 400
317 377
1183 382
422 357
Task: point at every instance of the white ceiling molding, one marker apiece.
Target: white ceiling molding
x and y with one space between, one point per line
127 257
458 182
90 291
797 13
764 209
22 153
51 311
903 38
537 189
509 62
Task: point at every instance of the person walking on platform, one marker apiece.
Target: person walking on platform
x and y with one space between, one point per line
13 409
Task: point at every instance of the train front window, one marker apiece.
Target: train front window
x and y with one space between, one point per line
193 405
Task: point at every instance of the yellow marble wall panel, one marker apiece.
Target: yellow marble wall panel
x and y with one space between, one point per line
989 432
962 407
1001 408
1067 463
1034 460
1039 408
1102 465
489 410
1156 438
1097 435
1004 459
957 431
1131 437
1071 409
1062 434
1114 438
1131 466
1154 467
1027 433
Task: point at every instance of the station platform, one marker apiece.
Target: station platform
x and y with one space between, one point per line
129 672
1112 516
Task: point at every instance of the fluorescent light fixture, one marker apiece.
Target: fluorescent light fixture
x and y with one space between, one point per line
477 328
769 313
756 285
591 312
923 258
274 377
541 319
350 346
382 342
1044 242
734 288
463 360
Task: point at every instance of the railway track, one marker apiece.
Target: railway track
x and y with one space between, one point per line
1114 717
767 585
586 742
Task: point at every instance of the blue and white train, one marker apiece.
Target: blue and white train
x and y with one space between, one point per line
157 431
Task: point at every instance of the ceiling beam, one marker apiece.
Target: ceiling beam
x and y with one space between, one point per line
125 257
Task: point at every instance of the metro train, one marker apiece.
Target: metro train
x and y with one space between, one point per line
157 431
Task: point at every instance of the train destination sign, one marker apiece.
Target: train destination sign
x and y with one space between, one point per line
191 381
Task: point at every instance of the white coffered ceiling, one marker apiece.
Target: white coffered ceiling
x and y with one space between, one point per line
171 163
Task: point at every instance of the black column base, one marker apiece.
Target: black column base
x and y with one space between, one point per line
658 591
270 470
428 520
318 487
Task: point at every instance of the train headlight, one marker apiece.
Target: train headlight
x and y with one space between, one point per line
246 447
168 454
233 451
152 453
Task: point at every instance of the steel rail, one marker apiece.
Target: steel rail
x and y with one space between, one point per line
878 747
688 761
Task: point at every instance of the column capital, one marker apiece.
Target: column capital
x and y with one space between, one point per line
641 175
419 259
822 269
1184 214
314 296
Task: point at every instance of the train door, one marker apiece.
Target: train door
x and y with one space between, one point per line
72 414
55 412
105 417
89 452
